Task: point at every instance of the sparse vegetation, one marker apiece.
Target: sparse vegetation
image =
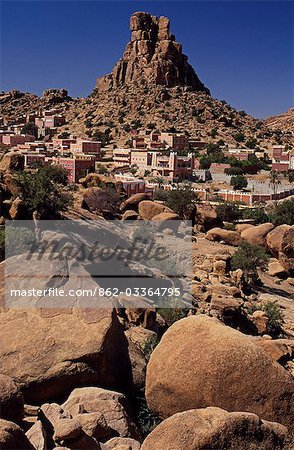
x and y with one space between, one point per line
228 212
282 213
249 258
182 200
43 190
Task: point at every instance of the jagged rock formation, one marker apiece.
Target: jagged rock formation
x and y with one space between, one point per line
151 87
152 56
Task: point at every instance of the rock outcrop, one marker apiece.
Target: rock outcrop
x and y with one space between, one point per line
215 429
12 437
11 401
113 405
257 235
200 362
152 56
37 349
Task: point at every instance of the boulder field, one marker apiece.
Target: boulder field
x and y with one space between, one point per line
200 362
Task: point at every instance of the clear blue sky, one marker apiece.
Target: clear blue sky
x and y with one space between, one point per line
243 51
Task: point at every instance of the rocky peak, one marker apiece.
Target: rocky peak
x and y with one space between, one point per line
152 56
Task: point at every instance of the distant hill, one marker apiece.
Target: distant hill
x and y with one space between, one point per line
283 122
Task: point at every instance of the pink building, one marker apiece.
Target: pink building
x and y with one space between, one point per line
86 147
77 167
54 121
282 160
15 139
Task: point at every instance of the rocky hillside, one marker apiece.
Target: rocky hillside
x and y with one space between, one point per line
151 87
15 103
283 122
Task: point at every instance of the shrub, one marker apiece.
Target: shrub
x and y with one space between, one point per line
239 137
172 315
228 212
145 418
275 316
251 143
249 258
182 200
234 171
149 346
43 190
282 213
257 214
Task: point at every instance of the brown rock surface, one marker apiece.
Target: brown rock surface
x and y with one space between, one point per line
113 405
200 362
243 226
148 209
257 234
206 217
152 56
11 400
123 444
12 437
216 429
280 242
37 436
226 236
39 352
132 202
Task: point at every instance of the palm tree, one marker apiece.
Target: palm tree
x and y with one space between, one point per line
275 180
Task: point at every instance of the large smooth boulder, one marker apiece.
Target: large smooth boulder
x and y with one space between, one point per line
281 239
257 235
113 405
148 209
11 400
280 242
133 201
12 437
49 352
216 429
200 362
221 235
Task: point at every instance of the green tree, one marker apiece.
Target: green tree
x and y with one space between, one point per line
44 190
30 128
228 212
257 214
282 213
182 200
239 137
238 182
134 169
275 180
275 317
251 143
249 258
234 171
